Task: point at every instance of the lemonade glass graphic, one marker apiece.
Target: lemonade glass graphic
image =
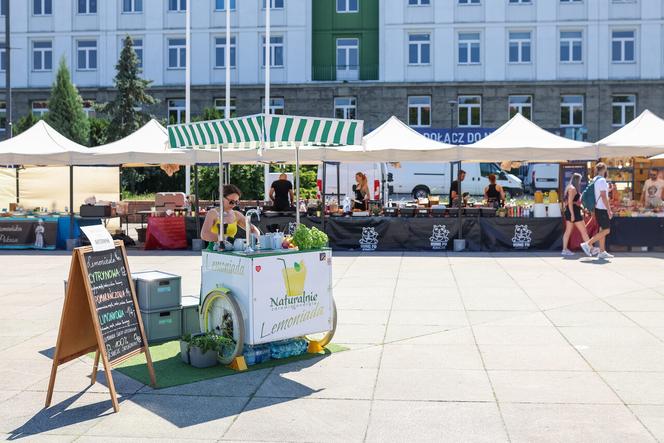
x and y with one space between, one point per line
294 278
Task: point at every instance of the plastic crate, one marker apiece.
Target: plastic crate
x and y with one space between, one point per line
190 315
157 290
162 325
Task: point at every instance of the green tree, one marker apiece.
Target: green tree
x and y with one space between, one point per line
125 111
208 114
65 108
24 123
98 131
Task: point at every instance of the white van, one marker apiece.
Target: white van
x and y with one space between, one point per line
346 172
431 178
542 176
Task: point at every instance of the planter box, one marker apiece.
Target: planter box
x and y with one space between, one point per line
199 360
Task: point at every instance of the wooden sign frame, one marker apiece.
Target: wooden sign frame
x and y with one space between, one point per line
80 331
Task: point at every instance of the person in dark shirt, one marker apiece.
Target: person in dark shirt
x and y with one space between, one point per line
281 194
454 189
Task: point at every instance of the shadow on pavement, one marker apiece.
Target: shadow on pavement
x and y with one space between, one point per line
59 415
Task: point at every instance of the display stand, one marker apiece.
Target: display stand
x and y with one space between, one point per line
100 314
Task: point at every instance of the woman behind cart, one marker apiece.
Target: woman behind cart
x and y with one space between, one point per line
573 214
362 195
210 229
494 194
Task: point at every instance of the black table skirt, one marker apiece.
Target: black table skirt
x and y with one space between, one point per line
637 231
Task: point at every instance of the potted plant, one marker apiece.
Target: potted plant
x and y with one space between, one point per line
203 350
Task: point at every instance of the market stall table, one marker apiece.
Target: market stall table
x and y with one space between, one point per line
637 231
519 233
166 233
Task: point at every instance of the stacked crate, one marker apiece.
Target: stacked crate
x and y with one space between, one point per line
160 301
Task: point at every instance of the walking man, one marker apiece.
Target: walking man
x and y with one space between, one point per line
603 214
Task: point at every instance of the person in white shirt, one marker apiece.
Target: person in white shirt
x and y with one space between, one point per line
603 215
653 190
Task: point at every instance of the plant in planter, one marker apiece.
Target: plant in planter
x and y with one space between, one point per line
203 350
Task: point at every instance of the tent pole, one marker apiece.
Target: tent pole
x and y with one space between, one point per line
339 183
460 202
196 202
221 197
71 202
322 195
297 184
18 200
187 87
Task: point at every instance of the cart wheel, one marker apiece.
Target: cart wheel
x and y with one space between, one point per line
324 338
221 314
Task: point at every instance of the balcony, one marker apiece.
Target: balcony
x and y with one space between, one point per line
344 72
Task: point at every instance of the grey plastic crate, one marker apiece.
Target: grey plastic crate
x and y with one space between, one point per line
190 315
157 290
161 325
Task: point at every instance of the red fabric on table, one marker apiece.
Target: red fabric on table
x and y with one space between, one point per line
166 233
575 239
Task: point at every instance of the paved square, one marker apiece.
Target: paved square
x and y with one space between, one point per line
468 347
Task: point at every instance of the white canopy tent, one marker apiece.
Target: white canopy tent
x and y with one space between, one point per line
642 137
522 140
40 145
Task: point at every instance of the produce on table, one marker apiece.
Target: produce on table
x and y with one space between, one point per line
305 238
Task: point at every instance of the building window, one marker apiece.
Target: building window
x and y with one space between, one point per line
469 110
42 56
86 52
419 111
521 104
571 110
276 105
345 107
177 52
276 51
87 6
3 57
177 5
220 52
624 109
521 2
42 7
132 6
570 1
419 2
519 47
176 111
469 48
3 117
347 6
138 48
275 4
220 105
348 59
39 108
469 2
220 5
622 46
419 49
570 46
3 8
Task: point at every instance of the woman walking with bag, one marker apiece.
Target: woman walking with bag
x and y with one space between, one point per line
573 214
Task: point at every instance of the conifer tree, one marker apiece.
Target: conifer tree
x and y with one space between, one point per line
65 108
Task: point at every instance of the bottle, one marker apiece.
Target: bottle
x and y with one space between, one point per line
249 354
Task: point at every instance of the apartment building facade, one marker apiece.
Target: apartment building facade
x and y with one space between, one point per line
453 69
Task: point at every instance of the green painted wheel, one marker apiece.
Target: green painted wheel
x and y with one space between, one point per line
221 314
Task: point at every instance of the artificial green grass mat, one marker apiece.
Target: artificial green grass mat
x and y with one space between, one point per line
170 370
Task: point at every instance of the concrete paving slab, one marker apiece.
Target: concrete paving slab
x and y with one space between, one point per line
518 335
652 418
533 357
435 421
551 387
304 419
609 336
432 357
562 423
624 358
637 387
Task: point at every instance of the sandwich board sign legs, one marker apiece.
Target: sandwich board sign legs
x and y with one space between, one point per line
100 314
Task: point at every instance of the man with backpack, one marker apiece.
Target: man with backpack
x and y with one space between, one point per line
596 198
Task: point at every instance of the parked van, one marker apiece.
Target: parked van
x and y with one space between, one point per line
430 178
418 179
542 176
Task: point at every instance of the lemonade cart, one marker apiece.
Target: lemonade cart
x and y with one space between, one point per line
269 296
266 296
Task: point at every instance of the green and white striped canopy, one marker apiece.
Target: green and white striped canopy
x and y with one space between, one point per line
247 132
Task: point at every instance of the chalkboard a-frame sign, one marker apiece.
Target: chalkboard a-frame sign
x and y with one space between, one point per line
100 314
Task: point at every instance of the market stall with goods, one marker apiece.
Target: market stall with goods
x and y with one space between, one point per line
267 288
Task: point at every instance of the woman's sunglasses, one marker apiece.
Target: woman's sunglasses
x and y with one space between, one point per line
232 202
